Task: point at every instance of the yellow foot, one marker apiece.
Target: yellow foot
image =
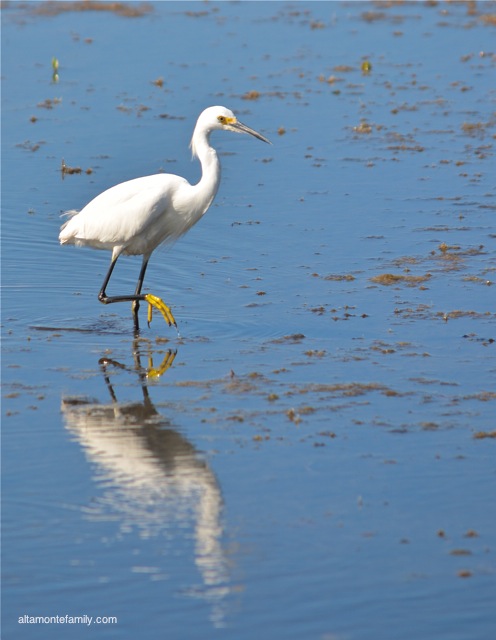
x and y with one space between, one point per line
158 303
166 364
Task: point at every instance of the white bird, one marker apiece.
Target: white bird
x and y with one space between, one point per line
135 217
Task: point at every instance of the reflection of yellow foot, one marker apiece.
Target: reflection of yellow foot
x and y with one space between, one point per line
158 303
166 364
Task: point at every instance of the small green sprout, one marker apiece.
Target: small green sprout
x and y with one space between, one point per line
55 67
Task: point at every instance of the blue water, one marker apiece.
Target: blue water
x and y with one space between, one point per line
305 465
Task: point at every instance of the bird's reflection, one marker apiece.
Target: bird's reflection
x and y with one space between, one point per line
152 476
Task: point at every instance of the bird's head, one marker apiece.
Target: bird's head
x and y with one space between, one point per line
221 118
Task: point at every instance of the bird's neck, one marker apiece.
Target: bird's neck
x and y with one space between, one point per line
209 183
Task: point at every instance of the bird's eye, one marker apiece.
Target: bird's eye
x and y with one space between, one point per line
221 119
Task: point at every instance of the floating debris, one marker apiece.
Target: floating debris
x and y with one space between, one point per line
66 170
363 127
464 573
343 68
49 103
294 338
293 416
30 146
388 279
481 435
488 18
123 9
340 277
251 95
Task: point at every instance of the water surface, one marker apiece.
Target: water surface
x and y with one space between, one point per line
313 455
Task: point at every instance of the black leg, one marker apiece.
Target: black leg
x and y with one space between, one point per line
102 296
105 299
141 278
153 301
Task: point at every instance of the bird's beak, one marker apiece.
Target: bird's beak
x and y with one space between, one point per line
239 127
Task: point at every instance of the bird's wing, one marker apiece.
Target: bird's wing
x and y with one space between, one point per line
123 213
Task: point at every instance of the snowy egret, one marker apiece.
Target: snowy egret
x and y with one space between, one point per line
135 217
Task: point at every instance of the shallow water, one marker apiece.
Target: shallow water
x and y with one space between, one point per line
313 455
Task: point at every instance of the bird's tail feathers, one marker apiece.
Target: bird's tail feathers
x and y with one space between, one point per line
69 214
66 237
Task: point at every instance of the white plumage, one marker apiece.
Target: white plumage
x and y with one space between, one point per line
135 217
